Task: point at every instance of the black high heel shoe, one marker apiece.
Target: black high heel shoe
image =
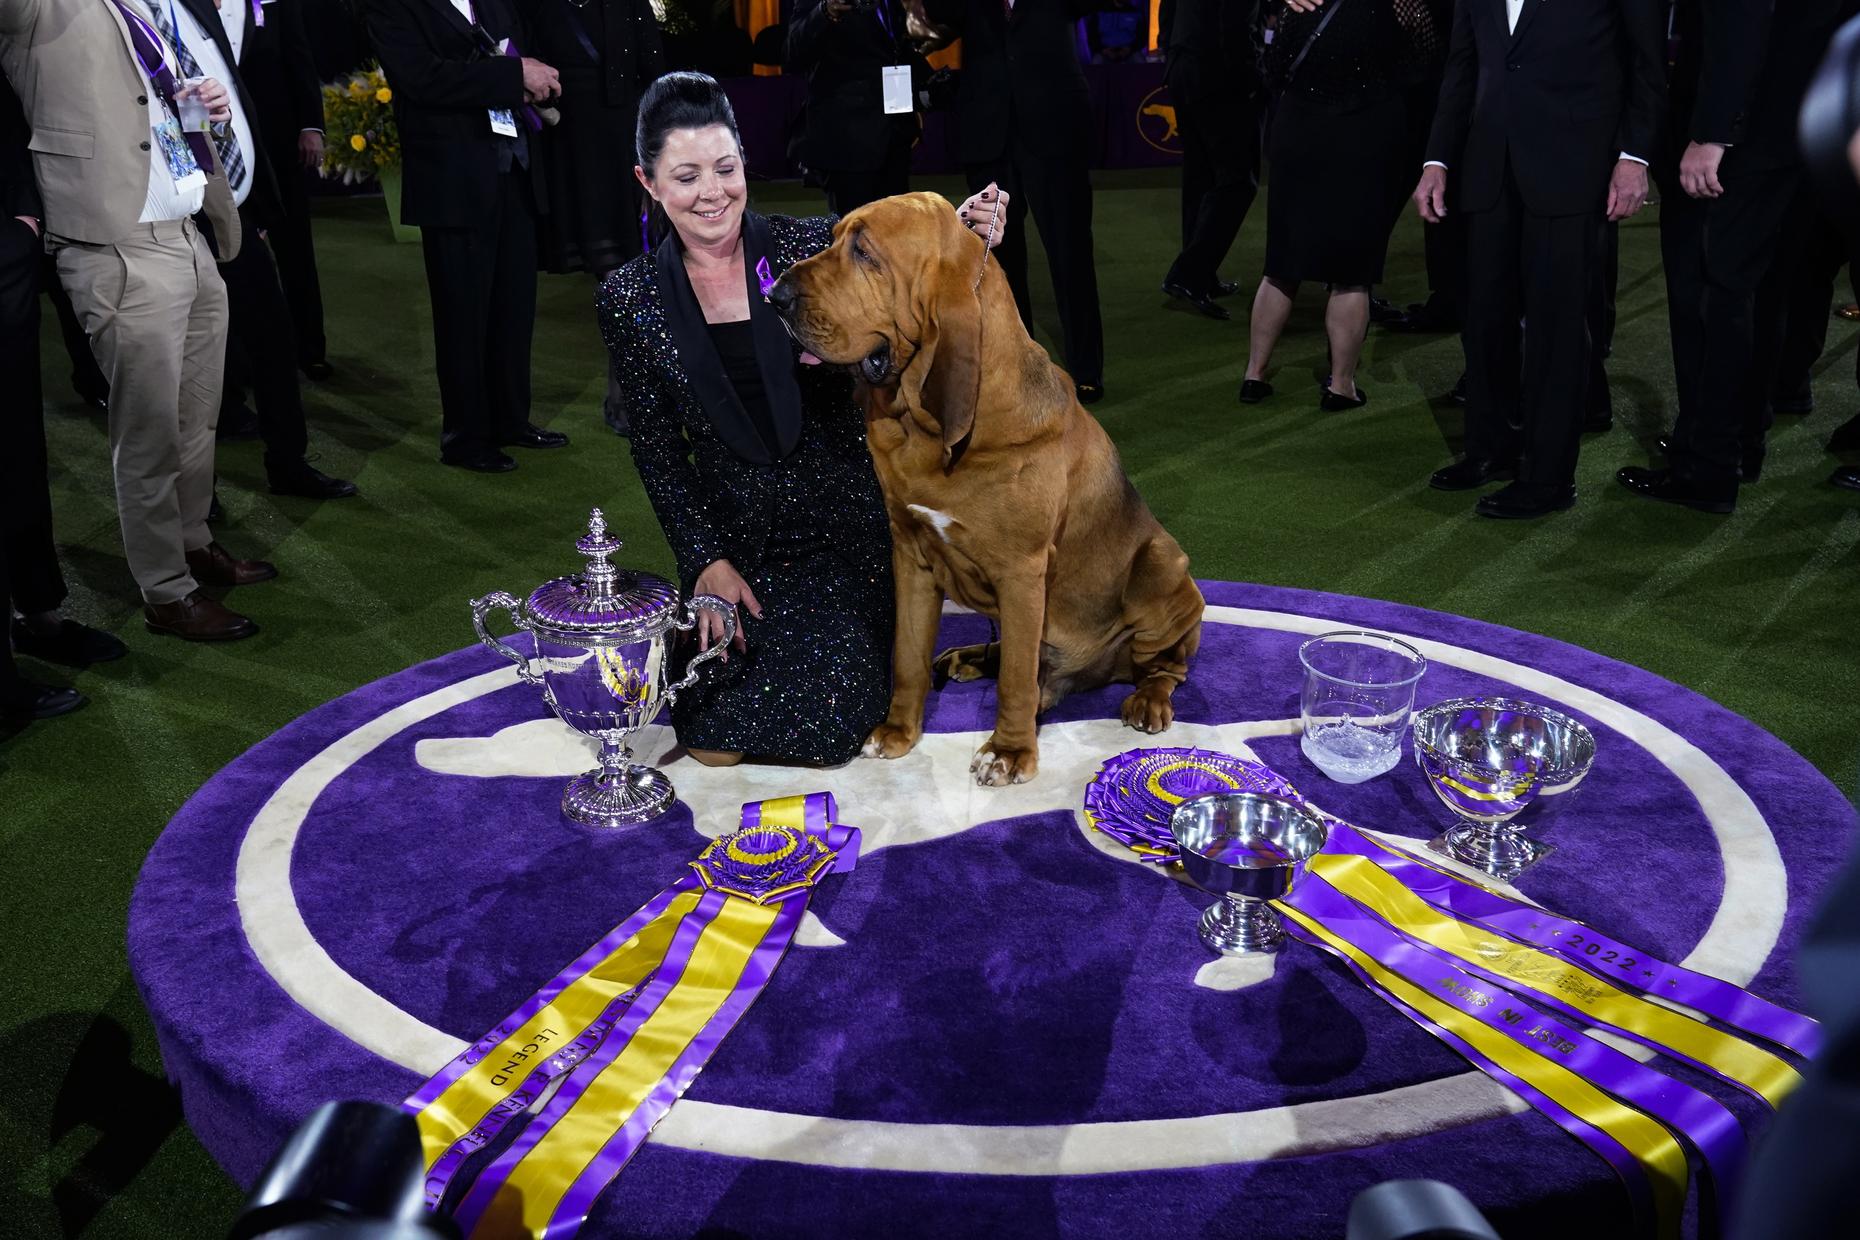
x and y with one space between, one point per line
1330 402
1252 391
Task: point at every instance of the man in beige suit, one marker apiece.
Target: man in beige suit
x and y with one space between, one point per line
125 190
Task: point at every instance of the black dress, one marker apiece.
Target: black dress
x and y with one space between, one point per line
1338 148
607 52
750 457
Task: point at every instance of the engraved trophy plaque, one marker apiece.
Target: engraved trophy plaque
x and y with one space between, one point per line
600 643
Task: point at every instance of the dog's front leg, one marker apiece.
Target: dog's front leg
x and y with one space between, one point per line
1012 754
920 612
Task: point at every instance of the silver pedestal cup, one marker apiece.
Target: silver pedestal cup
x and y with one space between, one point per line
1501 766
600 642
1242 847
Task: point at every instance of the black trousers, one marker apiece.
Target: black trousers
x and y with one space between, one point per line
1717 252
482 281
1221 135
293 248
1051 180
1525 391
30 579
261 348
1814 248
1604 282
849 190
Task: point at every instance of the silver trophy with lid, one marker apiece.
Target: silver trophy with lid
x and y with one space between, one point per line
599 641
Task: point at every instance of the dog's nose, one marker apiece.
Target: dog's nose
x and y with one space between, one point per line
783 296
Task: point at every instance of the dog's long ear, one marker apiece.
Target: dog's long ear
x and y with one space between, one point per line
944 379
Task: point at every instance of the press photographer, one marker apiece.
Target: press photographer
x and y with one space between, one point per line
863 74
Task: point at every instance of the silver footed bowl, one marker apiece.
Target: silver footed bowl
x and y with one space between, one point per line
1501 766
1242 847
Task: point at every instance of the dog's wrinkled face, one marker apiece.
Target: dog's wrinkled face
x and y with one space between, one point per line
893 298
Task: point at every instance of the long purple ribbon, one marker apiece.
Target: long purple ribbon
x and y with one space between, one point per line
1701 1119
1585 946
1625 1166
148 45
677 956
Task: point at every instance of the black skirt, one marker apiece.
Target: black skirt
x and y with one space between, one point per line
1339 177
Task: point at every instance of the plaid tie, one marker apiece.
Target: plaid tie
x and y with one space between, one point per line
227 144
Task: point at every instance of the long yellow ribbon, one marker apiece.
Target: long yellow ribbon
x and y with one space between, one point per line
1648 1141
1764 1074
469 1099
527 1200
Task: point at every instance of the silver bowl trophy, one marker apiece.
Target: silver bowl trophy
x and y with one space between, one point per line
1241 847
1501 766
600 646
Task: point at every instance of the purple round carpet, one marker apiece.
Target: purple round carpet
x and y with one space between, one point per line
994 1024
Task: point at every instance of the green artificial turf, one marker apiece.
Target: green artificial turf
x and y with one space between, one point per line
1754 610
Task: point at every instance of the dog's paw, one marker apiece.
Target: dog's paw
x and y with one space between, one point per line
1149 709
966 663
996 765
889 740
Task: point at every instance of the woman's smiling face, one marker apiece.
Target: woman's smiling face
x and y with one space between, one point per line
699 182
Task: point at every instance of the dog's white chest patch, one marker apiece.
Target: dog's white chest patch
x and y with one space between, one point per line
938 521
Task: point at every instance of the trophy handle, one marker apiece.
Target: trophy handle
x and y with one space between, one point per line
724 612
480 608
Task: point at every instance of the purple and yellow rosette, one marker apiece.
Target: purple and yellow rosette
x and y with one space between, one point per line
601 1053
1133 796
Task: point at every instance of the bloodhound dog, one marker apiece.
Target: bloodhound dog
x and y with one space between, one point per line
1003 493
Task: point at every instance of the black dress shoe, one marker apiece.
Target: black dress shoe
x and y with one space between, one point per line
1667 487
487 461
1749 469
1800 398
71 644
1458 394
1520 501
1331 402
29 700
1847 476
1424 317
1846 436
1225 288
1252 391
1202 302
1384 312
1472 473
318 370
237 424
1088 393
534 436
307 482
1598 421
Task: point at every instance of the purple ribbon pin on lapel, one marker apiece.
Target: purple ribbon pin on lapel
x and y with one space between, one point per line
764 280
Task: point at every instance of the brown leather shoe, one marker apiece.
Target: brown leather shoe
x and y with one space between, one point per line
214 565
197 618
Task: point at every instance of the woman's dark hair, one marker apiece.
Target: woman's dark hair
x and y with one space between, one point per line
681 100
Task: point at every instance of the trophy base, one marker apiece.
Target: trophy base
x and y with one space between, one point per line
1241 926
625 797
1502 854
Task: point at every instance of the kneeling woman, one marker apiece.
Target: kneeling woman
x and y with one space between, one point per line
755 464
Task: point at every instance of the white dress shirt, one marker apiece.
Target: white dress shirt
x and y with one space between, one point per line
235 17
165 201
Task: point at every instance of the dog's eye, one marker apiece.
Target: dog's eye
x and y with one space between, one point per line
862 255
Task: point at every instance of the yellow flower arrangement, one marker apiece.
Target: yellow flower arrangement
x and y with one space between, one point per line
363 138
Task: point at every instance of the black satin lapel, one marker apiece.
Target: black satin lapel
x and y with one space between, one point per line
699 358
776 352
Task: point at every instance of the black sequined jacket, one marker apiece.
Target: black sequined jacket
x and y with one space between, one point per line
719 489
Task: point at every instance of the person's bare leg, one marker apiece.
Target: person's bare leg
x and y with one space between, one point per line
715 757
1272 309
1346 322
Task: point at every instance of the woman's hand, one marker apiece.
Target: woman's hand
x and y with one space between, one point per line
986 214
722 580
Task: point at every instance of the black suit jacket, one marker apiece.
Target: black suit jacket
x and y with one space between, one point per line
1020 74
277 68
1742 69
444 83
846 128
1578 84
263 200
20 250
1211 47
